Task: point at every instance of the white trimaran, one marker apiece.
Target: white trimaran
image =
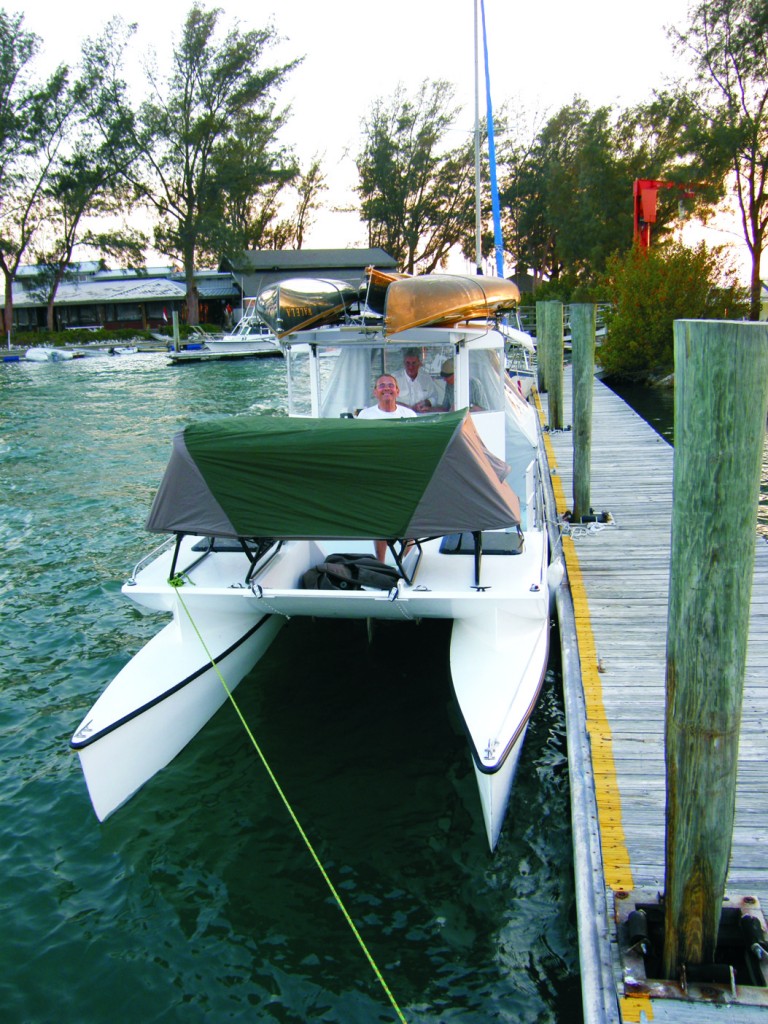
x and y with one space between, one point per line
252 504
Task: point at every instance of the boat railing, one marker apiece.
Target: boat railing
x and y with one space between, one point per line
144 562
527 317
258 550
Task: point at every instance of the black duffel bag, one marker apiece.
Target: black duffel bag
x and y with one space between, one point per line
350 572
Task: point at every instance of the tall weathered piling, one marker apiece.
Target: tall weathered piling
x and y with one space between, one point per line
721 396
541 349
583 330
549 332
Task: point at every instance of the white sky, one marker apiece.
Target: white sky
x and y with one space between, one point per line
540 54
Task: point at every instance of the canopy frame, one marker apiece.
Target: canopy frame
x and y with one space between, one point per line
254 548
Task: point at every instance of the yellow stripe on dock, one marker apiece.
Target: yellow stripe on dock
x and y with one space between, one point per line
636 1009
616 860
614 682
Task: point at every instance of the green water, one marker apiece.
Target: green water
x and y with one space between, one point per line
198 900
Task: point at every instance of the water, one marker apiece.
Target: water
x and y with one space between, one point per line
198 901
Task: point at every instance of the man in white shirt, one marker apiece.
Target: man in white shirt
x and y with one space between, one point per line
417 389
385 392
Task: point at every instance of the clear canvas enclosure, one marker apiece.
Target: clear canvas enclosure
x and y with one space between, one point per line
335 376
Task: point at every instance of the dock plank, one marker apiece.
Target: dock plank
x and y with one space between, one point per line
623 568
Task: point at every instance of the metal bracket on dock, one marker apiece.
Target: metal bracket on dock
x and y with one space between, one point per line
742 946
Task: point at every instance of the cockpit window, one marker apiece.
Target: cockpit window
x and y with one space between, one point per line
486 375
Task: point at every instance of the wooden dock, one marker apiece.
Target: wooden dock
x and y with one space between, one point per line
613 614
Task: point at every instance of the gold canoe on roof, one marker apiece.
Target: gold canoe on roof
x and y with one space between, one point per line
442 299
373 291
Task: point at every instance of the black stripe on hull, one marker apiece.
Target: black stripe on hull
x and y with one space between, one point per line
81 744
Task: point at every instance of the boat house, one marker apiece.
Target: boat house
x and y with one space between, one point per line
93 296
256 269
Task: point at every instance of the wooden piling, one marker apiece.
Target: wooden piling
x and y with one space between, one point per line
549 328
583 330
721 396
541 349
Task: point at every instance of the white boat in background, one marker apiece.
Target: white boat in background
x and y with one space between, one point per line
260 510
520 352
48 354
250 336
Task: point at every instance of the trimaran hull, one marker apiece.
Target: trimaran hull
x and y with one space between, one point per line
159 702
167 693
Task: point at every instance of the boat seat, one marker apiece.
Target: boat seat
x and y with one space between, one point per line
218 544
252 546
493 543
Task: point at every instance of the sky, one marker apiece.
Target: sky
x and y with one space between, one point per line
540 56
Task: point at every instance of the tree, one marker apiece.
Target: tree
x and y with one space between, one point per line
567 193
214 106
416 197
267 232
728 136
310 185
253 173
649 290
91 179
34 120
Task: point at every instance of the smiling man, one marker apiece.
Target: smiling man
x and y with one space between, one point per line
386 392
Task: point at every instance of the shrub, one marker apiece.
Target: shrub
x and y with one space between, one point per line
568 289
649 290
77 336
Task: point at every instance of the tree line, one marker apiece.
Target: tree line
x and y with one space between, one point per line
201 152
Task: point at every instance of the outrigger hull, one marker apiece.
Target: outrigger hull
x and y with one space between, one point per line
495 788
160 701
498 663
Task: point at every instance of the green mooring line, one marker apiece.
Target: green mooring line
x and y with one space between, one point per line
178 584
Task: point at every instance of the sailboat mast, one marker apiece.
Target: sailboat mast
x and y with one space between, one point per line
478 212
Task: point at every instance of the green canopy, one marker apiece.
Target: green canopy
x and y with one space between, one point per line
256 476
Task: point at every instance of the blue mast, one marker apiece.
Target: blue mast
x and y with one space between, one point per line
498 241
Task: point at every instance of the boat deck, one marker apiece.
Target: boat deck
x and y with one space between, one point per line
614 688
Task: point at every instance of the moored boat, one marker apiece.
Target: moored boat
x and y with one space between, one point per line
521 358
257 507
249 337
48 354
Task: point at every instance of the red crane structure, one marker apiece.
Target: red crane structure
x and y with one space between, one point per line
644 194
